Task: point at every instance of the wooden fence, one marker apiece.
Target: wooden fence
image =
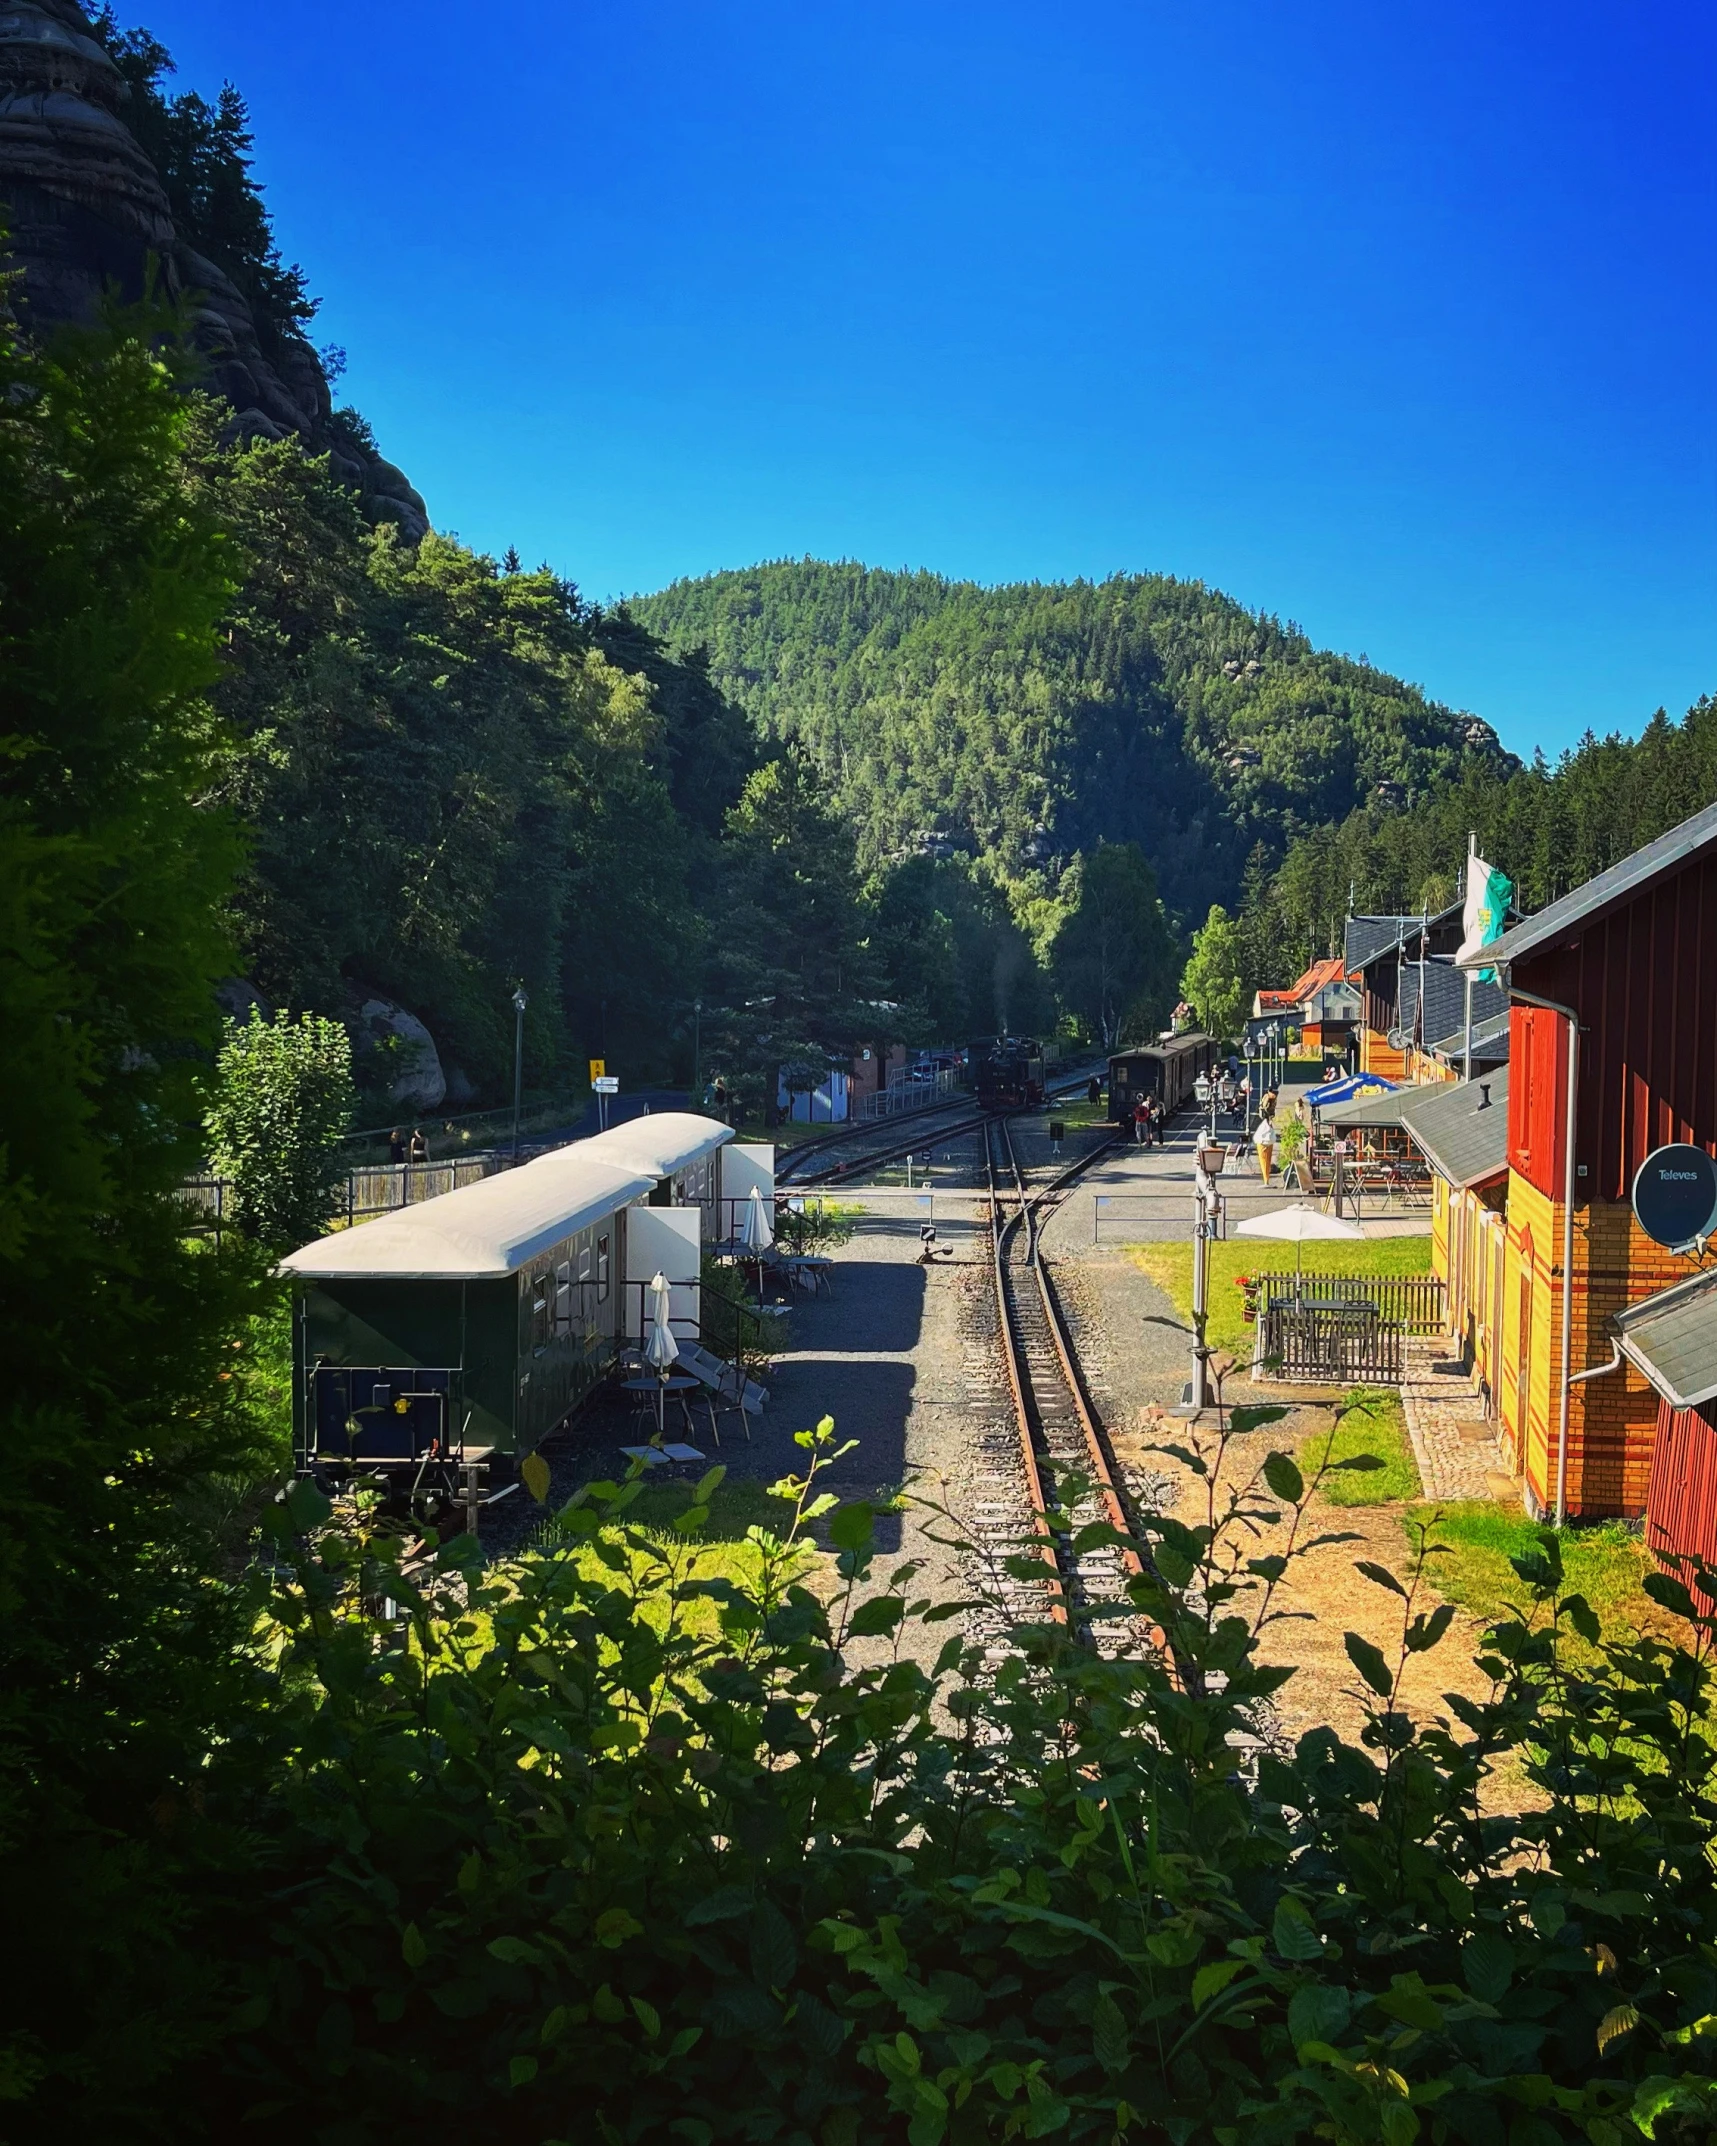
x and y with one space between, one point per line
1414 1302
1333 1344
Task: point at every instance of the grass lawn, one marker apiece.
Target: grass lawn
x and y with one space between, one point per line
1371 1423
1605 1562
1170 1267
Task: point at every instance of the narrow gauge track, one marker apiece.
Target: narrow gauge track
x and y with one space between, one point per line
1058 1431
872 1158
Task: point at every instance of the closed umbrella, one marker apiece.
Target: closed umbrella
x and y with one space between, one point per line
661 1350
1298 1226
755 1231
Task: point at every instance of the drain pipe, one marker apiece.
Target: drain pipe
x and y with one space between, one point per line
1550 1005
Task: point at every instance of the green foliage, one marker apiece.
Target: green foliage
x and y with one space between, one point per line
1214 979
1549 828
1112 954
115 1655
551 1849
815 1225
1030 722
283 1100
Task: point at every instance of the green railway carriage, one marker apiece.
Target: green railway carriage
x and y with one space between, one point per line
439 1345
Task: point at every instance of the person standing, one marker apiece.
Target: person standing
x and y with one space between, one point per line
1093 1091
1264 1140
1142 1121
419 1149
396 1146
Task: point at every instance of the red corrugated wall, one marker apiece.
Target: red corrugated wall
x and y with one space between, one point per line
1681 1506
1644 979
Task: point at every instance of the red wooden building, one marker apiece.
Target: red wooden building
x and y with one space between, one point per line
1614 1009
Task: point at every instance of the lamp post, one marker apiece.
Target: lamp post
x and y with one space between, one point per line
697 1053
520 1002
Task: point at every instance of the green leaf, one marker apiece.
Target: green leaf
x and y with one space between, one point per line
853 1525
877 1616
1109 2035
774 1954
1284 1478
536 1475
1370 1664
1487 1961
1212 1977
648 2018
1292 1931
1318 2014
1665 1588
614 1926
306 1507
1380 1576
411 1946
522 2070
517 1952
726 1904
1424 1632
709 1483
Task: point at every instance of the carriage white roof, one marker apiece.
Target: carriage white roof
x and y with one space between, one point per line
663 1143
483 1231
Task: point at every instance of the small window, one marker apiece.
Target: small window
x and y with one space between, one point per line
563 1304
602 1269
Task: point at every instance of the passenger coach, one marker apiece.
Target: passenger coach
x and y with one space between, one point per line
1168 1071
439 1345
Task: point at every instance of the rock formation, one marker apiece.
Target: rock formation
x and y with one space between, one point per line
87 212
382 1024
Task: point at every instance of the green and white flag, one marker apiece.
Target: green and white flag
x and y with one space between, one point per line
1488 897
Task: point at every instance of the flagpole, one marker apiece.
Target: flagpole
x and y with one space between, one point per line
1466 889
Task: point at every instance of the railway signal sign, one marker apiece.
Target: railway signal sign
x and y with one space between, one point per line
1675 1196
598 1067
606 1083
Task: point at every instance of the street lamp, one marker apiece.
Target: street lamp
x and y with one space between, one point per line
520 1002
697 1053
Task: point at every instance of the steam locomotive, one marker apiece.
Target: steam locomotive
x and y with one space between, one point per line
1007 1072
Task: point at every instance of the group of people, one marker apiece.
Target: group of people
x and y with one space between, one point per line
416 1149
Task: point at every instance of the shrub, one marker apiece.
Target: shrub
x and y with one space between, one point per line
549 1858
284 1099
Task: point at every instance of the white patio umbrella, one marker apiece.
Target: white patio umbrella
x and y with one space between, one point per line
756 1233
661 1350
1298 1226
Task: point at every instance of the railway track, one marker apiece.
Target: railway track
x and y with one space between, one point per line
1056 1435
871 1157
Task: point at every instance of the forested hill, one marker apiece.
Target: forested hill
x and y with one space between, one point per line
1026 722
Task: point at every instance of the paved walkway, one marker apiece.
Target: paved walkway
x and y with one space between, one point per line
1454 1442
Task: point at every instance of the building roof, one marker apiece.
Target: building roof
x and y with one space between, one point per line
481 1232
1445 990
1370 1113
1533 934
1672 1338
663 1142
1490 1041
1368 939
1462 1128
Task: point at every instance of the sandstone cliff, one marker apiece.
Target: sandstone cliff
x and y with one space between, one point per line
87 212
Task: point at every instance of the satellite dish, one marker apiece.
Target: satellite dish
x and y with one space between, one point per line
1675 1195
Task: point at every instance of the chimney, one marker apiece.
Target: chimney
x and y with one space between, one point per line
1483 1102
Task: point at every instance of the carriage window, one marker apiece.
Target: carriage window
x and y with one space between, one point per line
542 1309
602 1269
563 1304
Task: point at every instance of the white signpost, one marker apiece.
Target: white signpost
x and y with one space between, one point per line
605 1085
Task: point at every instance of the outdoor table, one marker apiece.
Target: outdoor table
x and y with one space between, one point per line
677 1384
813 1268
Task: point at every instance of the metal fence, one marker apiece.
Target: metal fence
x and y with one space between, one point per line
903 1096
377 1189
1333 1344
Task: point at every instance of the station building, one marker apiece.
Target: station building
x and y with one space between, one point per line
1612 1053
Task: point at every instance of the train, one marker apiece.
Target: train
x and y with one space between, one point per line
1167 1070
1007 1072
435 1347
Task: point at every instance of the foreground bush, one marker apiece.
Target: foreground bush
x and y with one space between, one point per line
573 1859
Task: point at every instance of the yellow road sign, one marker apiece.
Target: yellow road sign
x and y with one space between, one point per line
598 1067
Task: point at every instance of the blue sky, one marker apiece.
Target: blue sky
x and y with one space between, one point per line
1398 322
